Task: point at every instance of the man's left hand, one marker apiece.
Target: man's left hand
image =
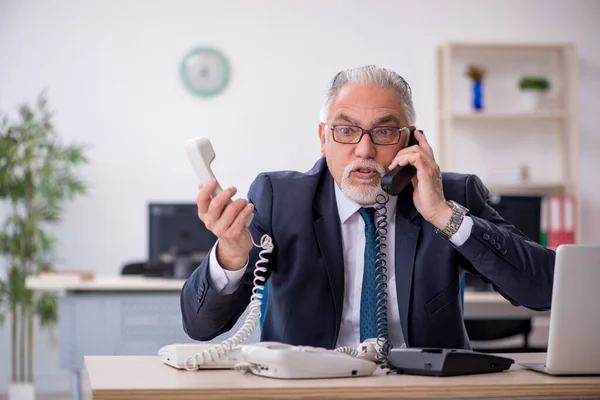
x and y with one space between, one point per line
428 194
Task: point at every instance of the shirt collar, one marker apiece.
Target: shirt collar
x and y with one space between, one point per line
347 207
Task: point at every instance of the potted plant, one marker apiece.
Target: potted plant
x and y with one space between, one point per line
532 88
476 75
38 175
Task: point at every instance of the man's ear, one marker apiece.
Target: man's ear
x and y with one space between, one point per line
323 138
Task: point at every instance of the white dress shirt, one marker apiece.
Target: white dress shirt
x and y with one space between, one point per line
353 243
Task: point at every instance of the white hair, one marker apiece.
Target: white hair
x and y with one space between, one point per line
373 75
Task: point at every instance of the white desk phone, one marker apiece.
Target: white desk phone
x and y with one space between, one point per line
279 360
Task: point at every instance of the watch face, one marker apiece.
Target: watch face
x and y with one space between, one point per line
204 71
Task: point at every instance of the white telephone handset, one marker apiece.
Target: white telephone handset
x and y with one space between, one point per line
201 154
272 359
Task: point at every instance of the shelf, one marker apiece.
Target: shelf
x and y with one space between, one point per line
483 132
526 188
508 46
483 115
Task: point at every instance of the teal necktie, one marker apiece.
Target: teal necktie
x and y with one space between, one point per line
368 298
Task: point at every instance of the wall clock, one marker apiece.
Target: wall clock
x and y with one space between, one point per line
204 71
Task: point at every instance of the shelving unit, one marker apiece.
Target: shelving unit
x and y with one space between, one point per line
504 139
556 114
527 189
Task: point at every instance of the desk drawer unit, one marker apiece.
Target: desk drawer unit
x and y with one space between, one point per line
121 323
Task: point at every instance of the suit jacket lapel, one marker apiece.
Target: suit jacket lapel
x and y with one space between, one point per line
328 232
408 227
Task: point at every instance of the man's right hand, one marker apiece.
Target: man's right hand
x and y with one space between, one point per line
228 220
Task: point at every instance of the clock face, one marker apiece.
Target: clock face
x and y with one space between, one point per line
204 71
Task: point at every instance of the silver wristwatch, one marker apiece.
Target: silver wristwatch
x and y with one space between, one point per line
458 214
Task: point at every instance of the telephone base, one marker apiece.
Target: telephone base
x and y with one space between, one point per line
176 355
282 361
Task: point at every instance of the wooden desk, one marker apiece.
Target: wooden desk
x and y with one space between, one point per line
135 316
116 316
136 378
108 283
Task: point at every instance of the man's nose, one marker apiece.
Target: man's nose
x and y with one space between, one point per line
365 148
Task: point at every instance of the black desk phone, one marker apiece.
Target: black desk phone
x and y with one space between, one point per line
445 362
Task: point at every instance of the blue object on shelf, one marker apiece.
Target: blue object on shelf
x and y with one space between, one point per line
478 95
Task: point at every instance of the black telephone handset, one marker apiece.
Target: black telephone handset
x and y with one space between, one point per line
397 179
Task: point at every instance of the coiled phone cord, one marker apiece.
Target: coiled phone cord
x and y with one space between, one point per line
220 350
254 314
383 343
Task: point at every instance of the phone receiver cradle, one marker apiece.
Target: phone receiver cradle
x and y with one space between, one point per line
178 355
283 361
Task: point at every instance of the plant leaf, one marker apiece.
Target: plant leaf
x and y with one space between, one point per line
46 308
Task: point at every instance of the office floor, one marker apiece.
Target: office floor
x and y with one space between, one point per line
85 395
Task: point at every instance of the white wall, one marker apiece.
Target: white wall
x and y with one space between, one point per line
111 69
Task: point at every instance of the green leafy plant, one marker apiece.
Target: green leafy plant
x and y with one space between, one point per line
540 83
38 175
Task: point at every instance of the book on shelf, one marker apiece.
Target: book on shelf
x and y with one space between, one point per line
560 210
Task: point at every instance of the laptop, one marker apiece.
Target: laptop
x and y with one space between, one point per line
574 338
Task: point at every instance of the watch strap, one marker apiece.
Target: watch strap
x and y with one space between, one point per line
456 219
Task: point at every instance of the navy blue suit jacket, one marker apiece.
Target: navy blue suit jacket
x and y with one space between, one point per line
306 291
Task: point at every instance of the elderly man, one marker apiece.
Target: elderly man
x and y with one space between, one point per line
323 268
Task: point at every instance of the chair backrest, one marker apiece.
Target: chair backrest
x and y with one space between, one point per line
263 306
494 329
135 268
462 291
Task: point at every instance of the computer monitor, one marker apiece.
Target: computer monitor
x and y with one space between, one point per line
524 212
175 231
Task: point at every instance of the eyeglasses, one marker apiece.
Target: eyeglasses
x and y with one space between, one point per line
381 135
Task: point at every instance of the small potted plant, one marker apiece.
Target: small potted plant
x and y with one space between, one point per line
476 75
532 88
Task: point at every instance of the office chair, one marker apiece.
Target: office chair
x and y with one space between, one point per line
494 329
263 306
135 268
148 269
